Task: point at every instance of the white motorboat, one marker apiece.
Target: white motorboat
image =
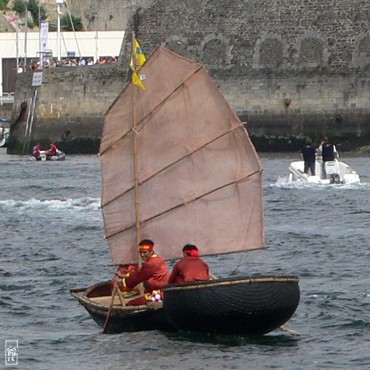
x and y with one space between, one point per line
336 173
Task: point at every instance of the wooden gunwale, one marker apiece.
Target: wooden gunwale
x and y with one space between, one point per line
96 302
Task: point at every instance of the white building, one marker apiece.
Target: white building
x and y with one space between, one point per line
17 47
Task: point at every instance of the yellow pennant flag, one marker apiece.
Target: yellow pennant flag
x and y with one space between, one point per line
136 80
137 60
140 57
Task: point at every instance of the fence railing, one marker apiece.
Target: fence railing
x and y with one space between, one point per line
7 98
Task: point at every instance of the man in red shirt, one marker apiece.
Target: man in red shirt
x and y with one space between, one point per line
153 273
52 151
189 268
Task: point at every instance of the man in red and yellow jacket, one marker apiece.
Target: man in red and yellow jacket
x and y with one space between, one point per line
153 274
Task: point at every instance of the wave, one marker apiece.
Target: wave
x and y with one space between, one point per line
75 204
282 182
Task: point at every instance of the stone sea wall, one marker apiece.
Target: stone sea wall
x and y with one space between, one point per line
289 68
67 109
6 110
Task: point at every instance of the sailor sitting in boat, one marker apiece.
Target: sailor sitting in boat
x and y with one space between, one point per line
36 152
190 268
154 274
52 151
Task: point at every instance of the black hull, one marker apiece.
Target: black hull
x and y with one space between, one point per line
122 319
240 306
253 305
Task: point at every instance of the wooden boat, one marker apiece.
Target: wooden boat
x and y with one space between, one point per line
97 299
251 305
178 167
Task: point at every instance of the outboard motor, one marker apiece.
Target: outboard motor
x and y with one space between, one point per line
334 179
332 170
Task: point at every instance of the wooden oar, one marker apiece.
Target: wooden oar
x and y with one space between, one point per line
114 291
120 295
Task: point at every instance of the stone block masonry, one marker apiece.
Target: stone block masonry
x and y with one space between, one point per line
67 109
289 68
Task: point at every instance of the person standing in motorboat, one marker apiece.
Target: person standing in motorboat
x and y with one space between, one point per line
328 150
328 153
309 157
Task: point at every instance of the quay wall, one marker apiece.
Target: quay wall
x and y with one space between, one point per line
68 108
6 109
289 68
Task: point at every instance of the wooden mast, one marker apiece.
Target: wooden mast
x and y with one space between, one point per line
137 194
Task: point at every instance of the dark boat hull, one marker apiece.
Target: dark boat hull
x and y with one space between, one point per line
239 306
122 319
253 305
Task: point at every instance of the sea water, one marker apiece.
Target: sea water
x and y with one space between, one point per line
52 241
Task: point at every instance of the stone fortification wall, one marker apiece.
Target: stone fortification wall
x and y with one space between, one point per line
101 15
6 110
290 68
68 108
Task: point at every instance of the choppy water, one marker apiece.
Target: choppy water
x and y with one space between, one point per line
52 241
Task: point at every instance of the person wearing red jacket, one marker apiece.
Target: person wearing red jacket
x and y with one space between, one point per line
36 152
190 268
52 151
154 274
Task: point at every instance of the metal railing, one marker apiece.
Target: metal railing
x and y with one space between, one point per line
7 98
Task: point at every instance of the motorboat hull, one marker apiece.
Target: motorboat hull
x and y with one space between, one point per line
336 173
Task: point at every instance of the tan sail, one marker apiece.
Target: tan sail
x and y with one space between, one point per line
199 176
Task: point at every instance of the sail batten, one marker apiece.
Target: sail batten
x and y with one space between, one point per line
169 165
188 201
161 103
102 151
198 174
103 147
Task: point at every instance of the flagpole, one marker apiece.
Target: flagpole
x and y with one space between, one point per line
59 47
25 38
137 194
41 60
